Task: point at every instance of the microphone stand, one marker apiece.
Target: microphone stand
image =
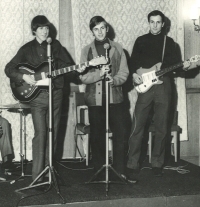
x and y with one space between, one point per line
49 168
107 166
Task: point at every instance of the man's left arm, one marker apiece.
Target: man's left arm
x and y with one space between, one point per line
63 57
121 76
176 58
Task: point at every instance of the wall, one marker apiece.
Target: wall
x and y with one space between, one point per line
192 42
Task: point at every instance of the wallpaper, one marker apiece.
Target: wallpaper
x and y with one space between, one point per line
128 20
15 20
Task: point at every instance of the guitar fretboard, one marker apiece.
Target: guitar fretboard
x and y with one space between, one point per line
166 70
67 69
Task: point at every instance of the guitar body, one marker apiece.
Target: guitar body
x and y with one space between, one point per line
149 78
25 92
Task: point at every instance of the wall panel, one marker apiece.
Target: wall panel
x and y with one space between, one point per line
192 42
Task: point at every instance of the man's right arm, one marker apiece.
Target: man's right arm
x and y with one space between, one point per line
11 69
135 62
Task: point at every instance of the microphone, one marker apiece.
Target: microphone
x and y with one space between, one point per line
107 47
49 40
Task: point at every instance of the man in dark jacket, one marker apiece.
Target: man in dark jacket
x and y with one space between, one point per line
34 53
149 50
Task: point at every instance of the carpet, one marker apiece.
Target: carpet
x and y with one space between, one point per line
181 178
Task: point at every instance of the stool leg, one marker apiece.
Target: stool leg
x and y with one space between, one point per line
75 145
87 149
150 146
175 145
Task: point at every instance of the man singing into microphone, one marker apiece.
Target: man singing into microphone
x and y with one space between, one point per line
95 95
34 53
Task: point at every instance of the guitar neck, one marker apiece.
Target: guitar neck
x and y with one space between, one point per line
166 70
68 69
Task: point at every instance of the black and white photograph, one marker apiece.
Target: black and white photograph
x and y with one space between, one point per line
100 103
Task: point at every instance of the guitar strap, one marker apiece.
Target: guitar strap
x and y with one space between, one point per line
53 63
163 52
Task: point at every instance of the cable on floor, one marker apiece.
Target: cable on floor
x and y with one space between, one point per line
81 169
179 169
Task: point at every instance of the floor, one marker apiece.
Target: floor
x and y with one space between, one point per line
179 179
191 159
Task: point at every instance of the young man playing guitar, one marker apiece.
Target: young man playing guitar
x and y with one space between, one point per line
34 53
150 49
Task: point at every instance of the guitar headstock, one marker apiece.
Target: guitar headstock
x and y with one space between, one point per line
191 63
98 61
195 58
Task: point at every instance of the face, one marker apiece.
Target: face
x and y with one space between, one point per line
42 33
100 31
156 24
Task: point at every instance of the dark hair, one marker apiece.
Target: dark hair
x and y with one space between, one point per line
96 20
155 13
39 21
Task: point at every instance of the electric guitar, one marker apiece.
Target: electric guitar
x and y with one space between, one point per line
24 92
151 76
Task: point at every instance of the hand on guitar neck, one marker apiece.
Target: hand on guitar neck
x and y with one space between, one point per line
191 66
191 63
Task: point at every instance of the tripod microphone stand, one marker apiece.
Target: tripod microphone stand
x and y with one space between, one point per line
107 166
49 169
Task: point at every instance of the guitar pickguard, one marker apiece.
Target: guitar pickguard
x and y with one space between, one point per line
149 79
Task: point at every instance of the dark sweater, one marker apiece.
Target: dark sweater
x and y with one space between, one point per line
147 51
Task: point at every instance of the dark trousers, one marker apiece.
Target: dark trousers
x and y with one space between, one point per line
40 116
6 140
158 96
97 119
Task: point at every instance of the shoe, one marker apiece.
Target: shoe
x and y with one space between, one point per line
2 174
130 171
9 166
157 171
128 179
